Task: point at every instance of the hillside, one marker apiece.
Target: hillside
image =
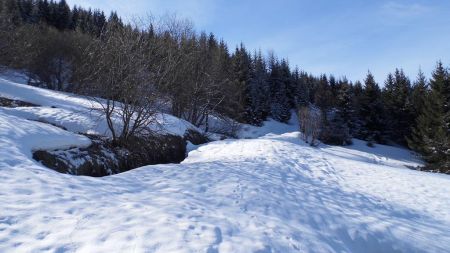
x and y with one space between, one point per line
273 193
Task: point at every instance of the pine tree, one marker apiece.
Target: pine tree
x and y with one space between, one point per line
99 23
241 69
279 106
431 136
302 89
26 11
398 106
419 93
334 89
344 104
62 15
259 91
74 20
322 95
371 111
43 11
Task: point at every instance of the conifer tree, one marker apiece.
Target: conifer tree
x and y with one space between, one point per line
431 136
371 111
344 104
43 11
301 88
259 91
322 95
26 11
241 69
280 107
398 106
62 15
74 20
419 93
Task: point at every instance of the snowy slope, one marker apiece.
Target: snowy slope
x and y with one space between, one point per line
269 127
270 194
70 111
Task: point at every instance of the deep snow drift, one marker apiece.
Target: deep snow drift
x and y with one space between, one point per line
270 194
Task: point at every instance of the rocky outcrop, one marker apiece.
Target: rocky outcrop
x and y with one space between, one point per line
7 102
103 159
195 137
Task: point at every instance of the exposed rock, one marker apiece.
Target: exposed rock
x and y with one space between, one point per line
7 102
103 159
196 137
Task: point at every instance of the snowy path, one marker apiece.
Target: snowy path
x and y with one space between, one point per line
265 195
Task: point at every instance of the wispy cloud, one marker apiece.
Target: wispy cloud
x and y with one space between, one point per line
402 10
344 37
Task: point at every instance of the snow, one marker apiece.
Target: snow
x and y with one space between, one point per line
73 112
268 194
28 135
269 127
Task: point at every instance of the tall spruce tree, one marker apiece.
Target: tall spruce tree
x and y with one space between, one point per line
372 111
62 15
242 74
344 104
301 88
280 106
419 93
259 91
398 106
431 136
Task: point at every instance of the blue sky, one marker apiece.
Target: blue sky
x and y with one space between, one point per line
341 37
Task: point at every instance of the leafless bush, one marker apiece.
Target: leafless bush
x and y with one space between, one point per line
310 125
116 70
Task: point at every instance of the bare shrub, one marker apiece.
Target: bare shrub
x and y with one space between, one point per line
310 123
116 70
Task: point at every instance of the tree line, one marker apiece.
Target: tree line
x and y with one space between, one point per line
164 64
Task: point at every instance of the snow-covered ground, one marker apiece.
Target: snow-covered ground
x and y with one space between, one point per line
76 113
269 127
269 194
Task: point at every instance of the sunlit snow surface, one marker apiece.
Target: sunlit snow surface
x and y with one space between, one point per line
271 194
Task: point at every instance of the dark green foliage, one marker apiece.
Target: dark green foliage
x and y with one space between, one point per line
258 107
371 111
55 14
241 65
398 107
279 78
431 136
323 95
419 93
302 88
335 131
